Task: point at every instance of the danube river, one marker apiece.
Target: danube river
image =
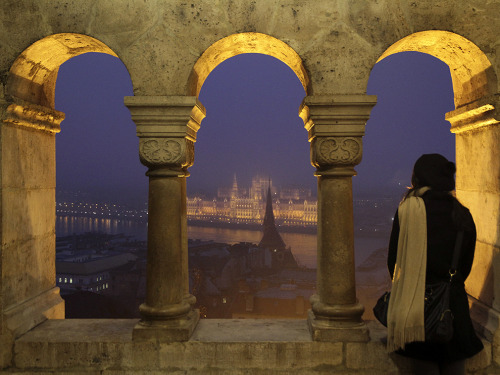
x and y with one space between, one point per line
303 245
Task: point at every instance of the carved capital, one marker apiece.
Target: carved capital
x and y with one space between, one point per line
334 152
166 127
33 116
175 153
336 125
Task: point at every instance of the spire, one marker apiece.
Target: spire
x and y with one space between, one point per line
269 215
270 238
234 189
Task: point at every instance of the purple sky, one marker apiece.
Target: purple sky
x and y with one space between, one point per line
252 126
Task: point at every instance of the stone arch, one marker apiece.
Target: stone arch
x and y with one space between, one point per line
472 75
29 125
475 123
237 44
33 74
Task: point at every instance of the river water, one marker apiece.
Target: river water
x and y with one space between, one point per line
303 245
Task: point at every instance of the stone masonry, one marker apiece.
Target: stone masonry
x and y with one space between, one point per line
169 48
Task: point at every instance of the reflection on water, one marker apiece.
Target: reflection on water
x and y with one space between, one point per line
303 245
67 225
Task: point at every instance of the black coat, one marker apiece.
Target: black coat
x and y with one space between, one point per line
444 216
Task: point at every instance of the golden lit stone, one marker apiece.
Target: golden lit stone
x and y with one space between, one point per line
471 71
237 44
33 75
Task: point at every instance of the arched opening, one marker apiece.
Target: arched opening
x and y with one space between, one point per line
476 135
237 44
251 137
414 91
101 217
28 190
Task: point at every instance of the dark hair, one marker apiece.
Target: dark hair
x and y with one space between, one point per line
434 171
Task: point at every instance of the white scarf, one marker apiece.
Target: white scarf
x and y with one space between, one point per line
405 316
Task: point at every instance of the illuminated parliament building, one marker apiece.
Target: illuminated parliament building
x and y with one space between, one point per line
235 205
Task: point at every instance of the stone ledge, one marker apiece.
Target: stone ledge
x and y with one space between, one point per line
217 347
217 344
28 314
373 356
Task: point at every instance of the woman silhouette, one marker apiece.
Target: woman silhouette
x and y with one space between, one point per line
420 251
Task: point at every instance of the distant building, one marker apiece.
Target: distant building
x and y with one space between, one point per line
284 302
271 239
293 206
277 295
249 280
284 295
88 269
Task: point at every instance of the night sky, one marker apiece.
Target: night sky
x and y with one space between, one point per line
252 126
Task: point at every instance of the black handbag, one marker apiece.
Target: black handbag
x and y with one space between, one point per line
438 318
381 308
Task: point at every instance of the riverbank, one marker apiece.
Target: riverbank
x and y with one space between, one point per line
252 226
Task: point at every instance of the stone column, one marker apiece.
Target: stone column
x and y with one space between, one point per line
28 291
336 125
166 127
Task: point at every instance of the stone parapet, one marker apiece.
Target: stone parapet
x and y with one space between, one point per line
217 347
23 317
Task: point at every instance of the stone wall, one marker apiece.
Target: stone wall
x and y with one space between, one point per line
160 41
232 347
27 267
166 47
478 187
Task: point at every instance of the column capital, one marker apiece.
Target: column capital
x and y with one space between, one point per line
336 115
336 125
29 115
176 154
336 155
166 127
479 114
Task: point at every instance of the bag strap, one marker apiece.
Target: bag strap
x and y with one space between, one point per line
456 253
